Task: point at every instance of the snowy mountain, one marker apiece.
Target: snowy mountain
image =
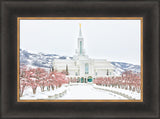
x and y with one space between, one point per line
39 59
45 61
122 67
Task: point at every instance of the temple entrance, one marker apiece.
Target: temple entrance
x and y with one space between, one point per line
90 79
82 80
85 80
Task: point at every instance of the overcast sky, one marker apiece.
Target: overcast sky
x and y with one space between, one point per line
114 40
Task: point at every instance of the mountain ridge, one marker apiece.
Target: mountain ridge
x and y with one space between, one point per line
44 60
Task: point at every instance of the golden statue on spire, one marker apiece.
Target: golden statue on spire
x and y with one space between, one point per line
80 25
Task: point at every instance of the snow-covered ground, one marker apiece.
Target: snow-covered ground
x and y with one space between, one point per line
81 91
46 95
126 93
87 91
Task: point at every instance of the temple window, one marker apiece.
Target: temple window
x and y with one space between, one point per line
86 68
80 47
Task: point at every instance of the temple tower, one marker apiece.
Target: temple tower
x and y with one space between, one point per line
80 50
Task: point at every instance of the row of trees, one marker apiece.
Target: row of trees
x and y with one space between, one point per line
34 77
128 80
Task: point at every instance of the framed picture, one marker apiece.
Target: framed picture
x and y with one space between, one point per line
80 59
75 78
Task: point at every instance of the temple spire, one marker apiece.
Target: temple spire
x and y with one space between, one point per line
80 50
80 32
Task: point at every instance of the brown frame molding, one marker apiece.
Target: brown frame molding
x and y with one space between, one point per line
12 9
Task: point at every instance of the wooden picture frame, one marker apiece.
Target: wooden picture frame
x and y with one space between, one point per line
148 10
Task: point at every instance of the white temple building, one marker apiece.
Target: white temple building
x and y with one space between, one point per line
81 66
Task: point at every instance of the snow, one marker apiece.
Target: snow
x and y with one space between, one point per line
81 91
87 91
126 93
44 60
116 64
46 95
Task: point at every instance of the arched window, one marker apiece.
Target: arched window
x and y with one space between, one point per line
86 68
76 74
96 73
80 47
